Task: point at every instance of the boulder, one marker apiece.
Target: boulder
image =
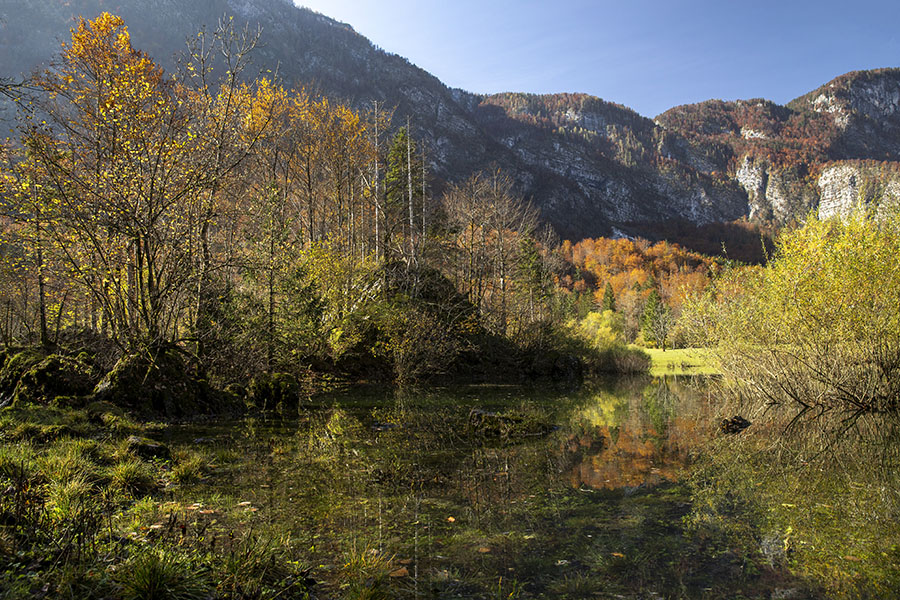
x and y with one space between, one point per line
100 413
57 379
158 381
14 365
147 449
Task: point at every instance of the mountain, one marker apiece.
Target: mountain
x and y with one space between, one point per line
822 151
592 167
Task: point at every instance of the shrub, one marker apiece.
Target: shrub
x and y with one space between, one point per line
162 575
815 333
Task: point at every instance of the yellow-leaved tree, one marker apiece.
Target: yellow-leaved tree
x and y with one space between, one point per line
117 145
816 334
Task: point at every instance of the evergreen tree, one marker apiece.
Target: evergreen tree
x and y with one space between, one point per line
403 186
656 321
609 298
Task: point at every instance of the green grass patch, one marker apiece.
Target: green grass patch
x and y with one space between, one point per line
683 361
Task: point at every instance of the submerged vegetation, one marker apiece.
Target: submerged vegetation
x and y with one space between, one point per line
402 494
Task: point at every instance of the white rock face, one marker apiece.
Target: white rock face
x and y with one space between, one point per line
772 192
753 179
751 134
827 103
877 98
845 188
838 190
779 195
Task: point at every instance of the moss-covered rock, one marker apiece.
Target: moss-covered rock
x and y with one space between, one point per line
148 449
159 382
97 410
275 392
56 379
15 364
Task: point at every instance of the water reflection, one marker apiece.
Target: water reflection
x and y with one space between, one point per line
462 492
634 433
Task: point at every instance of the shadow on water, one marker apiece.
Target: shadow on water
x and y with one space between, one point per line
488 492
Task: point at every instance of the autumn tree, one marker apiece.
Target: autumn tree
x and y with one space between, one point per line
488 220
220 105
117 148
656 320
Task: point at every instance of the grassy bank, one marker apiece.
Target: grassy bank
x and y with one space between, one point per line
92 508
682 361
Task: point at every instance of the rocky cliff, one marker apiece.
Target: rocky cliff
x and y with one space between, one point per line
592 167
846 186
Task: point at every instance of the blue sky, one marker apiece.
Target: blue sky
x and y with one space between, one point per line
649 55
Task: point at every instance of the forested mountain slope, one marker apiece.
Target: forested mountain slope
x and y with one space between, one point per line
592 167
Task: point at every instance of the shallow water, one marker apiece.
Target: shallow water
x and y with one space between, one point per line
481 492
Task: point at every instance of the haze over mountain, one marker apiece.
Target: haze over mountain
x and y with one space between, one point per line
591 166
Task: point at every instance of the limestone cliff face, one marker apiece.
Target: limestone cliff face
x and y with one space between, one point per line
774 193
784 157
848 186
865 108
877 98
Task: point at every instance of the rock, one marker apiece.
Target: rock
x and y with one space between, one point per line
735 424
159 381
846 186
16 364
148 449
96 410
275 392
57 379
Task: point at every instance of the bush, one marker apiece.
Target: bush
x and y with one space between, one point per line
275 392
815 333
621 359
605 351
810 352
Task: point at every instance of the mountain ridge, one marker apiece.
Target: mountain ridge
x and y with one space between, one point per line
592 167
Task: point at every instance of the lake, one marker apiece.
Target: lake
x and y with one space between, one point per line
475 492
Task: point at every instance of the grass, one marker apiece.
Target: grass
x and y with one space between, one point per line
81 517
161 574
682 361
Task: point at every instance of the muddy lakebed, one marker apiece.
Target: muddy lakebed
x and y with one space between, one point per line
474 492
